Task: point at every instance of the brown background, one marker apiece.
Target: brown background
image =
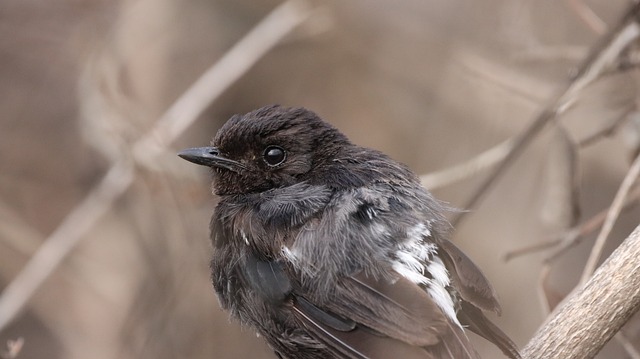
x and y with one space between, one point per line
432 83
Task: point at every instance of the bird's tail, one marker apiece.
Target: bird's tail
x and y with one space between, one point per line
477 322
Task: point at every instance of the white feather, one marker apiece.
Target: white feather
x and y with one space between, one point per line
289 254
416 260
379 230
437 288
244 236
409 273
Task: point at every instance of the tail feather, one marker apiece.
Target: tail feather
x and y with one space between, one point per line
457 345
477 322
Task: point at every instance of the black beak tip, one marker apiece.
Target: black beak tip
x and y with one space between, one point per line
200 156
210 157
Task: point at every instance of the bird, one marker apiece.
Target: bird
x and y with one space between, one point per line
332 250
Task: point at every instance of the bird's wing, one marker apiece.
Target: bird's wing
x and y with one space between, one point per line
473 319
347 339
477 293
365 317
376 318
468 279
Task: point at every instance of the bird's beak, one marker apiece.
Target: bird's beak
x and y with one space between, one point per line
211 157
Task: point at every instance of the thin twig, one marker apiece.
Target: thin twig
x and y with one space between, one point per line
602 57
606 130
264 36
612 215
628 346
468 168
55 248
16 233
211 84
545 271
588 16
575 236
572 236
532 90
551 53
535 247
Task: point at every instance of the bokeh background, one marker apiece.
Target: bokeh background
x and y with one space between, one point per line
432 83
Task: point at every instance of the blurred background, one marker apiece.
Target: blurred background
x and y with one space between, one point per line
431 83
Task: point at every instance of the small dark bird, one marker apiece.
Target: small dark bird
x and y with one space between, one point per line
331 250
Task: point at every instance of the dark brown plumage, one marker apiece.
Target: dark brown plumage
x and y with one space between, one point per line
329 249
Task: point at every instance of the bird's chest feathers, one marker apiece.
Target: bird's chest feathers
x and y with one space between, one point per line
266 221
248 234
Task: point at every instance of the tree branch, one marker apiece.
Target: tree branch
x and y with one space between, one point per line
612 215
601 59
591 316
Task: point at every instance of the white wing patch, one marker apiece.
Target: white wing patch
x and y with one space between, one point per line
437 288
417 261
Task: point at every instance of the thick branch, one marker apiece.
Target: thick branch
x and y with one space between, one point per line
592 315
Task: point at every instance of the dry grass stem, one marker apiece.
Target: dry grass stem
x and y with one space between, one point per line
573 236
628 346
543 292
588 16
56 247
606 131
468 168
211 84
603 56
612 215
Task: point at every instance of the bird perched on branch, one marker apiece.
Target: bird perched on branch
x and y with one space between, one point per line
331 250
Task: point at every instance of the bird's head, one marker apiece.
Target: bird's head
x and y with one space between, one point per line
268 148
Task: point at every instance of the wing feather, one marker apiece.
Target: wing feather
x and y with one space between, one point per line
360 342
468 279
478 323
392 320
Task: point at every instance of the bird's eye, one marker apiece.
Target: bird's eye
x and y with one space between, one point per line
274 155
